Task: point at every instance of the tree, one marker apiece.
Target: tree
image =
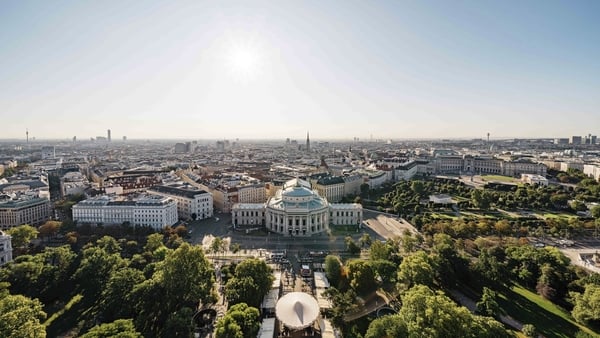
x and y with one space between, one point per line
251 282
431 314
116 299
365 240
529 331
596 211
488 305
227 327
351 245
343 303
49 229
333 269
418 187
408 242
21 317
217 245
22 235
481 199
109 244
121 328
416 269
246 318
95 269
587 305
178 323
154 241
379 250
361 277
387 327
187 277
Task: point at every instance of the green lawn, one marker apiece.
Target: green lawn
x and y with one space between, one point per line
443 215
500 178
529 308
557 215
343 230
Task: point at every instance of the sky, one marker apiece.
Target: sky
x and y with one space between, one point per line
277 69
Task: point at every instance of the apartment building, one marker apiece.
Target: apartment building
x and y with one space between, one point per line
191 203
331 187
24 210
149 210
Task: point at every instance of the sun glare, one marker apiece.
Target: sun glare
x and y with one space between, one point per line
244 63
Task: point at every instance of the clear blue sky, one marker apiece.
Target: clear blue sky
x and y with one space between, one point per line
275 69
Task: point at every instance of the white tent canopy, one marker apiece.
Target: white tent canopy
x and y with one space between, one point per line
297 310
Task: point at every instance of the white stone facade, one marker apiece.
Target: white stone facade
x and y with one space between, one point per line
5 248
296 210
154 211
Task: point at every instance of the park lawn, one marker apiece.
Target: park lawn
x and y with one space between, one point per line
529 308
557 215
443 215
343 230
500 178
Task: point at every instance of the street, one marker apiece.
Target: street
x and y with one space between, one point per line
378 225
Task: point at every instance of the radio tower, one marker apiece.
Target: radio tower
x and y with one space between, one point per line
27 135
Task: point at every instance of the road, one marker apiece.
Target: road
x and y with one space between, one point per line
378 225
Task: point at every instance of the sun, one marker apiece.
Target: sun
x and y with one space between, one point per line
244 62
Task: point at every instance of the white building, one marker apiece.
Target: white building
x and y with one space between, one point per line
296 210
5 248
73 183
534 179
191 203
406 171
154 211
592 170
441 199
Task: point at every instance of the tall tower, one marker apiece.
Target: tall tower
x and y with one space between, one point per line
27 135
307 142
488 139
108 135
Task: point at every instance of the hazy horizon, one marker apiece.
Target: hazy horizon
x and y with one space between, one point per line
263 70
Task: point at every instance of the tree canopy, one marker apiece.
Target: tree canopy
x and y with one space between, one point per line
251 282
21 317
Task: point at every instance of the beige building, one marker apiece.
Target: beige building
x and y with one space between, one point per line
252 193
456 164
33 211
331 188
191 203
352 184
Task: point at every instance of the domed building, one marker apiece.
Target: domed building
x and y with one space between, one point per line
296 210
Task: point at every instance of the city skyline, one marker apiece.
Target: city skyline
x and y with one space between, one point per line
265 70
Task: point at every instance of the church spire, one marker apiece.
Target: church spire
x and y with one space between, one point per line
307 142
